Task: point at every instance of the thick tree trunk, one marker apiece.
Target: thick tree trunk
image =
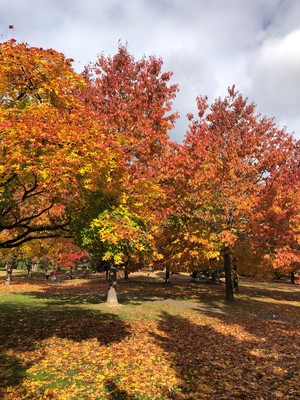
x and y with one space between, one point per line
228 280
112 298
293 278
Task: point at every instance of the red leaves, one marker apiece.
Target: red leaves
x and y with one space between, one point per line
98 141
202 105
132 97
223 182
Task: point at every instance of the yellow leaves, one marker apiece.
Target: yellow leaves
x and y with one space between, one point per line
49 393
197 348
138 204
91 368
80 377
34 75
114 240
213 254
158 256
121 231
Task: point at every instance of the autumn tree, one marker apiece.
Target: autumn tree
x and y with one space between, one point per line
52 147
227 165
123 239
279 213
133 98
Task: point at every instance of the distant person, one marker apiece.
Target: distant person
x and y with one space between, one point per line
29 268
47 273
54 274
71 273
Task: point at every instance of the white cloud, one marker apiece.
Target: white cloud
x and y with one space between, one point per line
274 73
209 45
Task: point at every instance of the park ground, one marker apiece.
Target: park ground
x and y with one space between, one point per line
60 340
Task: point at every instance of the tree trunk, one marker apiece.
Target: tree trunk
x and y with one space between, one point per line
9 272
293 278
112 298
227 269
235 276
167 277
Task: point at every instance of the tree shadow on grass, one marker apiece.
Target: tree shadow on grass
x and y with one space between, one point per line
11 371
140 292
267 309
259 308
129 292
61 299
213 361
23 326
284 291
115 393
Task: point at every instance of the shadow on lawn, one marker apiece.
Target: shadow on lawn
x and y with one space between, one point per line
11 371
213 361
115 393
133 292
68 299
248 308
24 326
276 290
139 292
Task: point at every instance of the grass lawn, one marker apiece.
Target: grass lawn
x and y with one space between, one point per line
60 340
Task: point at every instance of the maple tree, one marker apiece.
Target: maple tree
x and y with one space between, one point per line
88 157
279 214
133 98
230 158
58 251
75 146
52 148
122 235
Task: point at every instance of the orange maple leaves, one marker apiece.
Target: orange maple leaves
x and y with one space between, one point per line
94 141
223 176
51 146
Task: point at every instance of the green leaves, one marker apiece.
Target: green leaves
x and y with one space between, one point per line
122 235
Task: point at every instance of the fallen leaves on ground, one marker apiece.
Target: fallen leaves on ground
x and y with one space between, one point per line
66 351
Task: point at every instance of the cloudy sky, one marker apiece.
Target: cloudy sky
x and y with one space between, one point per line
208 44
